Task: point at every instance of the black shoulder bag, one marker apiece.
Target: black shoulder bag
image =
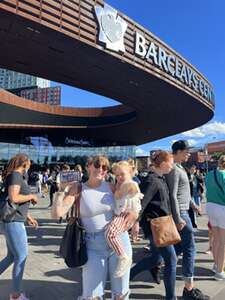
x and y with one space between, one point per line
217 182
73 246
8 209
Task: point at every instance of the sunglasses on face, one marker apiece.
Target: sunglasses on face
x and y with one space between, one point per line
98 165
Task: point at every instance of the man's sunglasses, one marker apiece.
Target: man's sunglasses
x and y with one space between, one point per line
98 165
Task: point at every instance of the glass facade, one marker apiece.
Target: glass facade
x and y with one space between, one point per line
42 152
14 80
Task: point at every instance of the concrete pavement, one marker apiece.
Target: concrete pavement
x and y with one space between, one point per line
46 276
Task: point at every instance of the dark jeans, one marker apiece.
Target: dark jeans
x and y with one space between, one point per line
53 188
169 255
187 247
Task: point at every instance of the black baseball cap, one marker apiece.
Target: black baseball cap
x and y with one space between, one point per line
180 145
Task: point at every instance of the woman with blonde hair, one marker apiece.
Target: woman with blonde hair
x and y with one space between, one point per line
96 211
19 193
127 198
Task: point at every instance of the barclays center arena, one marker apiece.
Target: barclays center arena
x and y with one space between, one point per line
90 45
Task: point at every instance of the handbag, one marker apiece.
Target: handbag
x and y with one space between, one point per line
8 209
73 245
164 231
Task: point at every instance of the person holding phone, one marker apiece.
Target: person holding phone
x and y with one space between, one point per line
19 193
96 211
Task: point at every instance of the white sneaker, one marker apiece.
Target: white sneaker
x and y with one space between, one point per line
21 297
123 265
219 276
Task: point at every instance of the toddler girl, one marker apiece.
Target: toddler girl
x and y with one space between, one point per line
127 198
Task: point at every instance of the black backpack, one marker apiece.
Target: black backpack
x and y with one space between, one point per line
34 177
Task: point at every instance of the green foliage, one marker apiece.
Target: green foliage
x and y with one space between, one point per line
216 155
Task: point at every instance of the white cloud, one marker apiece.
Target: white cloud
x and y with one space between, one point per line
197 133
211 129
141 152
192 142
214 128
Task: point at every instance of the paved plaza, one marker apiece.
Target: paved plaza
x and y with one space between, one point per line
47 277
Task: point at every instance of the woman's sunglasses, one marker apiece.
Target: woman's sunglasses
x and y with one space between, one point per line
98 165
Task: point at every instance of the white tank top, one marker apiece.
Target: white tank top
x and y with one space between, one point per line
96 207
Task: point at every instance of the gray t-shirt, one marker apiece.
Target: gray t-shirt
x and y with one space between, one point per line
15 178
179 188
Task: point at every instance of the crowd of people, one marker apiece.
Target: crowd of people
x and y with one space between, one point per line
116 203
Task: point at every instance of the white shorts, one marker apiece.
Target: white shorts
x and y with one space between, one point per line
216 214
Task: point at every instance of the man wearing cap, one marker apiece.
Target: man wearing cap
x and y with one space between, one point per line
180 196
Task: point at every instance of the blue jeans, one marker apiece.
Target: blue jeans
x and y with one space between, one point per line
196 196
187 247
169 256
101 261
16 241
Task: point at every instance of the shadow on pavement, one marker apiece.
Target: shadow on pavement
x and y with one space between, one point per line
68 274
45 290
146 296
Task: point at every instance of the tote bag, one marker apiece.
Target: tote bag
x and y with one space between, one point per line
73 246
164 231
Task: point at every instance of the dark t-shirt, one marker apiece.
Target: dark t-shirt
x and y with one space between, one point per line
15 178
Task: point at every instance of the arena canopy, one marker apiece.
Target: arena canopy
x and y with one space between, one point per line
92 46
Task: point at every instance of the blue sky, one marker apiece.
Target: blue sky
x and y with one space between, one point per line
195 29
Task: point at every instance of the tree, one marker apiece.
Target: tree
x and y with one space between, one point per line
216 155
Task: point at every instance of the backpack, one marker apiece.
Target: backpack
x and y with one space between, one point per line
34 177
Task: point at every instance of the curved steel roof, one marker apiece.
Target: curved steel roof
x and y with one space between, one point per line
161 94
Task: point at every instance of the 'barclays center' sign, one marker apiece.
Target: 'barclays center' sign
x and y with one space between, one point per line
111 33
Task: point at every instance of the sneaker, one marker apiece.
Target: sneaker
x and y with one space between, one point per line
21 297
156 274
146 248
214 268
123 265
219 276
194 294
208 251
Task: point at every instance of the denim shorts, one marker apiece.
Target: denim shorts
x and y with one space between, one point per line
216 214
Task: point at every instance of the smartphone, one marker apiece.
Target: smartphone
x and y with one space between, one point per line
70 176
